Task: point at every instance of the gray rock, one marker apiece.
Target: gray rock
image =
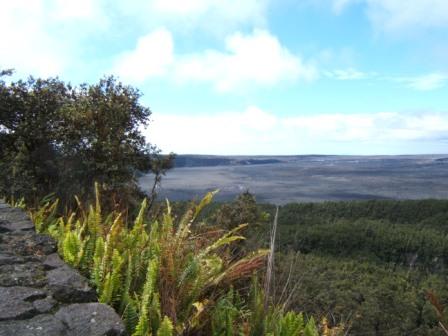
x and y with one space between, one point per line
30 274
35 244
24 243
4 226
24 224
91 319
41 325
16 302
10 259
52 261
12 215
68 286
7 259
35 283
44 305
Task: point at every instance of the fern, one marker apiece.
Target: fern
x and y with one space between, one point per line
86 260
111 290
165 269
130 316
71 246
116 277
127 283
45 216
97 273
291 324
106 290
142 328
166 328
155 314
257 319
224 316
310 328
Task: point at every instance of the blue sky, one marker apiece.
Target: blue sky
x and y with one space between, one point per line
253 77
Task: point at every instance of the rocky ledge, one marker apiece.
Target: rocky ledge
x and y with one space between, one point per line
39 293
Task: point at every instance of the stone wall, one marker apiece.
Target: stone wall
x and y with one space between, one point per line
39 293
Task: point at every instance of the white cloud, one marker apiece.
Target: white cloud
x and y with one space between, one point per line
215 16
52 37
25 41
44 37
76 10
399 15
254 131
340 5
347 74
231 9
428 82
151 57
221 133
183 7
370 127
258 58
254 59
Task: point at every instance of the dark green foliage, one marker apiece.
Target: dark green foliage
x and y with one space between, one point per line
366 264
29 131
59 138
257 318
380 231
432 213
101 136
376 240
225 315
243 210
368 297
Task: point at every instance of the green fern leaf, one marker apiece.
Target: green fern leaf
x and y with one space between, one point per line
166 328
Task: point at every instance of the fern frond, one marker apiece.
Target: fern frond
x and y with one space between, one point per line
97 271
206 200
130 316
166 327
311 328
71 247
242 268
142 328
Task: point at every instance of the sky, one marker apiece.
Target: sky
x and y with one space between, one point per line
248 77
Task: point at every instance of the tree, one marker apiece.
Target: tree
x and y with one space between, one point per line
59 138
29 121
244 210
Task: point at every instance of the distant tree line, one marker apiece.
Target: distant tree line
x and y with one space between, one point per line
58 138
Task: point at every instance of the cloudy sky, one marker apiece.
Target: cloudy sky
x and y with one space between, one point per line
253 77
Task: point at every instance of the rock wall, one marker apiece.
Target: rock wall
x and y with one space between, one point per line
39 293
